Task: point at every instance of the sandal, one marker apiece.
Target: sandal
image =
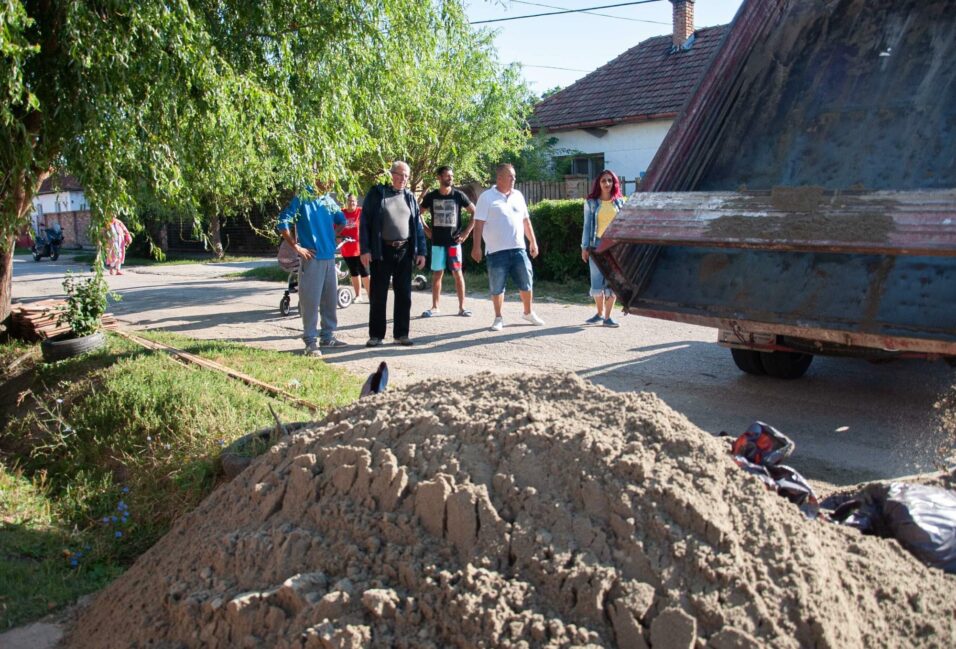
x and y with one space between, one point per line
465 313
430 313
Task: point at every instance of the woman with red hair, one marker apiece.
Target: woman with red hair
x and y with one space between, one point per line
600 208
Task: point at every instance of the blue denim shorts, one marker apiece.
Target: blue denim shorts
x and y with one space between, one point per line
514 262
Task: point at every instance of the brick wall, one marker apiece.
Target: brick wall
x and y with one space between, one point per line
75 225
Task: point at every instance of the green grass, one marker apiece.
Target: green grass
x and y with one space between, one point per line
264 273
89 258
45 564
574 292
126 425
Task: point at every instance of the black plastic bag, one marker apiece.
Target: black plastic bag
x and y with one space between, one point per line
920 517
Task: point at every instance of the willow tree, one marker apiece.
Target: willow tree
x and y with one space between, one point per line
448 101
199 101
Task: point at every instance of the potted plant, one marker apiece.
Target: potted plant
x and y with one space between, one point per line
86 301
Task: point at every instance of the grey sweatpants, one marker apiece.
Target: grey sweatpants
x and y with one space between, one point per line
317 293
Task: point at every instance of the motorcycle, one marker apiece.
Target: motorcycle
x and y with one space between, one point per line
47 244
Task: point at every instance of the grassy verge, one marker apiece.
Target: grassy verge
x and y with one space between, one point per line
264 273
89 258
100 453
575 292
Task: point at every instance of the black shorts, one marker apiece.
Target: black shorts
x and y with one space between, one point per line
356 269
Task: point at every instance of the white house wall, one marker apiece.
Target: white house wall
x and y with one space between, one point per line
54 203
628 148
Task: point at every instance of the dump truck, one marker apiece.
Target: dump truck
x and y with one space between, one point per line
804 202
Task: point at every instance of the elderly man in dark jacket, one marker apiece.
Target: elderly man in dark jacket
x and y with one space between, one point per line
391 239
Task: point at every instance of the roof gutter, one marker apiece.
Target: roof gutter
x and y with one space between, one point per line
601 123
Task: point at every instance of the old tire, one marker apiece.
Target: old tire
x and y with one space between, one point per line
56 255
748 360
285 305
67 346
419 283
345 297
785 365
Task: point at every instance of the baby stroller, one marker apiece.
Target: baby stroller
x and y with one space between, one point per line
290 263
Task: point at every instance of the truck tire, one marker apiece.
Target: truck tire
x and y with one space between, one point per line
785 365
748 360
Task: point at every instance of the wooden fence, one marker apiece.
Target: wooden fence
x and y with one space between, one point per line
536 191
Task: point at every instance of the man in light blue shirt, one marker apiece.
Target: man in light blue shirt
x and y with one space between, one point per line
317 219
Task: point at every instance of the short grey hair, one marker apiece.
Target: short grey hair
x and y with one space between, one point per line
504 166
400 164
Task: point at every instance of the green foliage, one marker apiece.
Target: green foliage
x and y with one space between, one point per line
117 444
443 100
541 159
86 301
557 226
209 108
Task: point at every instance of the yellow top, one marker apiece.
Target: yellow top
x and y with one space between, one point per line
605 215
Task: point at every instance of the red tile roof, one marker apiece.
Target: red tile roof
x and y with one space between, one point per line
645 82
55 184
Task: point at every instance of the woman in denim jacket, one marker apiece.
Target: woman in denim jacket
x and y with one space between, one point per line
600 208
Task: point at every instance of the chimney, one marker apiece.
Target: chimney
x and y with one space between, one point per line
683 21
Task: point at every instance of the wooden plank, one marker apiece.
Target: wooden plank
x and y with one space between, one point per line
228 371
798 219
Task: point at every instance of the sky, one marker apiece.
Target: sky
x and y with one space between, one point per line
580 42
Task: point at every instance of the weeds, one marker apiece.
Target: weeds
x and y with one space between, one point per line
115 445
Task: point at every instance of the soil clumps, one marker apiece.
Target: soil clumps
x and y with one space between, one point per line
523 511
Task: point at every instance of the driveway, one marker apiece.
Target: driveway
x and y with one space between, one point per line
851 420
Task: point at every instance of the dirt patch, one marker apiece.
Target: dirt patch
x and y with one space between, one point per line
520 510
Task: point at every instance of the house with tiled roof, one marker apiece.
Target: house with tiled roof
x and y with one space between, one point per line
617 116
60 199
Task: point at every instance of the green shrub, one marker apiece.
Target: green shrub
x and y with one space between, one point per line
557 226
86 302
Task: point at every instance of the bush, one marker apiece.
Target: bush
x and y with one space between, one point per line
86 302
557 226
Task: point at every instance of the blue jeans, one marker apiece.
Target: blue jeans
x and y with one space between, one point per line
598 281
514 262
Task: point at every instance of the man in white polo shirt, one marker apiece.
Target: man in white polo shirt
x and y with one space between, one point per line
502 222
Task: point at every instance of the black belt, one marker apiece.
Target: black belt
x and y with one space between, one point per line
398 243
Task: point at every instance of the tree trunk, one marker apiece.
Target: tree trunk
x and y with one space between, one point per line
22 204
6 280
215 235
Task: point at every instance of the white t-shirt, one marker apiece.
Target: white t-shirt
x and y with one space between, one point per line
504 219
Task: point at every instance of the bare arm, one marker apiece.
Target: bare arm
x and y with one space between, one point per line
471 225
533 242
479 226
305 253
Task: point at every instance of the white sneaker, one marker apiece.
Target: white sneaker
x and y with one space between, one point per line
533 319
312 349
498 324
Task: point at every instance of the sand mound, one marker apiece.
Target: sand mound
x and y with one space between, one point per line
513 511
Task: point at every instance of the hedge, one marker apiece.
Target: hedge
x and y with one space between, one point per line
557 225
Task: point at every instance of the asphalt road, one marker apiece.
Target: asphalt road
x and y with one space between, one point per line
852 420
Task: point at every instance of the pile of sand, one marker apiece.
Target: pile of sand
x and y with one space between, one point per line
523 510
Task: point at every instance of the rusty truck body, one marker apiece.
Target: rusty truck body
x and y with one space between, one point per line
804 203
